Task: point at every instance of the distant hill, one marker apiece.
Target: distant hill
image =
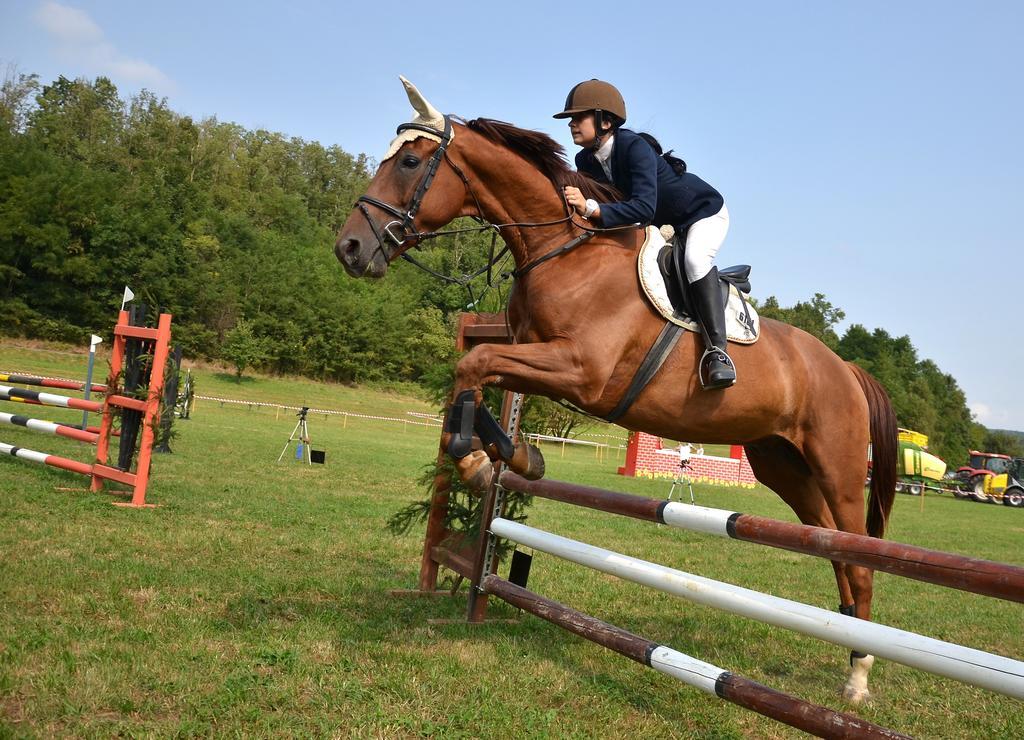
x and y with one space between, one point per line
1012 433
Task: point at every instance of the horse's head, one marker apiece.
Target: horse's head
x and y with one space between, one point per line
411 193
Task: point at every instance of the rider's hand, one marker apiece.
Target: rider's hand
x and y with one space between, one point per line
575 198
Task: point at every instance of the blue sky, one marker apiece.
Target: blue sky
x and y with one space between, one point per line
869 151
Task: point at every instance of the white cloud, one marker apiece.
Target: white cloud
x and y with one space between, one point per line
70 25
981 412
81 42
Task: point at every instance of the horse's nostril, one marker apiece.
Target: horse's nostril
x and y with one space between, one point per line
347 250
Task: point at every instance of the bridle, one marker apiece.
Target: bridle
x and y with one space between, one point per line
407 224
404 219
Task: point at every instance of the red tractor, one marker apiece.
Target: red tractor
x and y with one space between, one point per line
981 465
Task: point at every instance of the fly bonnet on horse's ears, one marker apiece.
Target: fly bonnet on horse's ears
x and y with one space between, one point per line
426 115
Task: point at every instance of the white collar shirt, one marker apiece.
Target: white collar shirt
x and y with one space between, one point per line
604 156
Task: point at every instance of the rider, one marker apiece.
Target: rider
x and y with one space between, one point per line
659 190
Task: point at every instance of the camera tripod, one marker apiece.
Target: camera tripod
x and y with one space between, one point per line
300 435
682 479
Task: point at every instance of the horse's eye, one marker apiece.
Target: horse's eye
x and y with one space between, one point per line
410 161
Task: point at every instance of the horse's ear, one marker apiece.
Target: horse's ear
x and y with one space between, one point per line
425 112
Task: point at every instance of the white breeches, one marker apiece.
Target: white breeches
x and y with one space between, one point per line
703 241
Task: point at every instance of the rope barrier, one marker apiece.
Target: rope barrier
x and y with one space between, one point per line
312 410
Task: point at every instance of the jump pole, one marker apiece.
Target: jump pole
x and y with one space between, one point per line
37 398
993 672
68 385
49 427
44 459
93 429
985 577
8 393
711 679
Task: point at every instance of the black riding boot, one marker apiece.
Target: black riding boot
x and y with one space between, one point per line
716 368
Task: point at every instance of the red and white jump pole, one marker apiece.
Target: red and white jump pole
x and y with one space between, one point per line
67 385
49 427
7 393
44 459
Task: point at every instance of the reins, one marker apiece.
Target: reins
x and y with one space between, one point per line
408 227
557 252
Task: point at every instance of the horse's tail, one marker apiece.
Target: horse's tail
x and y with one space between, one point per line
883 451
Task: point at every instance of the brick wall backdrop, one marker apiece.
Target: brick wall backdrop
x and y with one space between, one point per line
646 458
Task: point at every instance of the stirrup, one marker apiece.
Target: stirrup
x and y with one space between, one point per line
724 359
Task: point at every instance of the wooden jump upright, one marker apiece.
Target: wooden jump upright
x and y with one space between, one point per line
100 471
160 337
442 547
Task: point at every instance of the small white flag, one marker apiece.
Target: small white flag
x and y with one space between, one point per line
95 340
128 295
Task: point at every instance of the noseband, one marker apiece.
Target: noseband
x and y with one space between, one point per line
404 222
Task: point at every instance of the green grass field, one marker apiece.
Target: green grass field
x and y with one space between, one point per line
254 600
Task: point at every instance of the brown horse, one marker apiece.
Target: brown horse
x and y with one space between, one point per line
582 327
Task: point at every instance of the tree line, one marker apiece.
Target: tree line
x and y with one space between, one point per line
231 229
228 229
925 399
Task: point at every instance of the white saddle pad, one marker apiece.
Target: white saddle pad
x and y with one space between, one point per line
738 330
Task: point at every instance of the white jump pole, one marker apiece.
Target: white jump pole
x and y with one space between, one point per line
993 672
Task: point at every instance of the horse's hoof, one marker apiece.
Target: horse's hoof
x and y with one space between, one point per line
535 469
476 471
528 461
856 689
855 696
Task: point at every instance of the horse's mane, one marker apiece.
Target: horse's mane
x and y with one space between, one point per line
546 154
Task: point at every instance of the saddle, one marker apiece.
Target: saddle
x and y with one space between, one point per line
658 264
737 275
664 285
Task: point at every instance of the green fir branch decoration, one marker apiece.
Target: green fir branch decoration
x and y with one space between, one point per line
463 516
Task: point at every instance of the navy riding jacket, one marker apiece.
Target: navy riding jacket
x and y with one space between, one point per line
654 193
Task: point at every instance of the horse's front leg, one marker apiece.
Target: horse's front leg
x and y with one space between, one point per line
473 467
548 368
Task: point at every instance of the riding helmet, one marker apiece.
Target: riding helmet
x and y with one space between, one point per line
594 95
